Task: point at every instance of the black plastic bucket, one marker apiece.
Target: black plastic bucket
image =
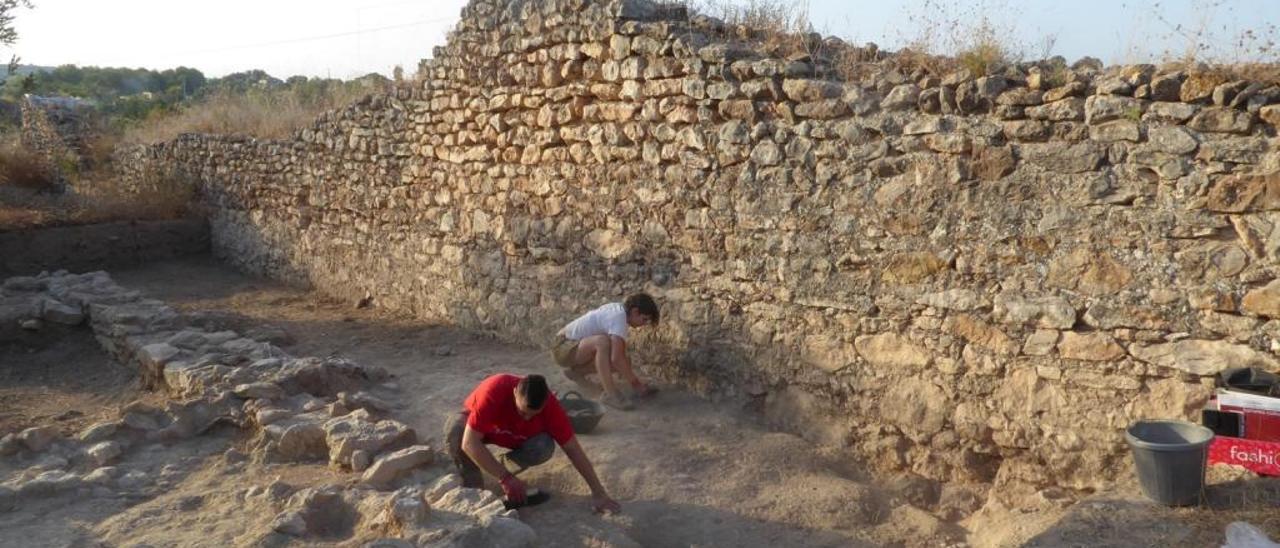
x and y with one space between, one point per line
1170 458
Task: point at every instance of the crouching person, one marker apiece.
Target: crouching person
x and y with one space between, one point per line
596 342
522 415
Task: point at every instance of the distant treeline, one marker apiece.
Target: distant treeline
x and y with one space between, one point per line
127 95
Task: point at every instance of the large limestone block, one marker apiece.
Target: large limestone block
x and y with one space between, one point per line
916 407
891 350
1241 193
1222 120
802 91
1107 315
61 313
912 267
1094 347
390 466
1077 158
1047 312
980 333
1063 110
607 243
903 96
1041 342
1103 108
1089 272
1203 357
1172 140
1264 301
952 299
827 353
357 431
298 438
1199 86
153 356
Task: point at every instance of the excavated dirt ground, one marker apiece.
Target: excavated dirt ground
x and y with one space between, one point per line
60 377
687 472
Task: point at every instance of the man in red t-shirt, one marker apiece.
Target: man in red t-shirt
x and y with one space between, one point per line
520 414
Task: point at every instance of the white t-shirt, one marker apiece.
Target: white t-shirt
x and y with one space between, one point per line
610 319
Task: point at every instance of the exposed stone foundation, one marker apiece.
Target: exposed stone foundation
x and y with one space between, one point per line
974 278
298 409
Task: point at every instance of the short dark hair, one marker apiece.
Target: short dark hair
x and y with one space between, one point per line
533 389
644 303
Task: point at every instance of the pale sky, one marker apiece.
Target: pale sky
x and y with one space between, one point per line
348 38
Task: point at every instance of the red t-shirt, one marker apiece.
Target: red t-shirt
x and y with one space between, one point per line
494 414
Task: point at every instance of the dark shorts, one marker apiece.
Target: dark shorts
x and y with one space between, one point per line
534 451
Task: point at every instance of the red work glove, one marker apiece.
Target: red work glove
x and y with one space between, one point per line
513 488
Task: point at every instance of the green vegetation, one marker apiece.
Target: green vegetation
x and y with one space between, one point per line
129 97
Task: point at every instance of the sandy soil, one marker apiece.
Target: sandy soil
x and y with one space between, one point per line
60 377
687 472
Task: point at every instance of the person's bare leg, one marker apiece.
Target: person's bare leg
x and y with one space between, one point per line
596 349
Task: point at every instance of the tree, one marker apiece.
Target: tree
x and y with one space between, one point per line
8 33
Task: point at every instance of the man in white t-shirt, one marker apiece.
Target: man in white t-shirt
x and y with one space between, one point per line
597 341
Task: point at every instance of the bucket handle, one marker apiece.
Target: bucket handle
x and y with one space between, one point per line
572 394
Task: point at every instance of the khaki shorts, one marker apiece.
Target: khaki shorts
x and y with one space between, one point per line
563 351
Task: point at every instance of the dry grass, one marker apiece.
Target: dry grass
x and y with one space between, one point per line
1230 54
780 27
783 29
946 36
271 114
93 199
22 168
1236 495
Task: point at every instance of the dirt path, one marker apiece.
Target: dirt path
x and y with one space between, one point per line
665 461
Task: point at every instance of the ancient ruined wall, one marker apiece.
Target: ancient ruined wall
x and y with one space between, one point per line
56 129
978 279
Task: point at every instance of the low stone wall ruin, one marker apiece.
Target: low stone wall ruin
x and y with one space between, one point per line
298 409
57 130
975 278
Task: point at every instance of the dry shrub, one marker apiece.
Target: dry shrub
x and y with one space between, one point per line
1206 48
983 52
99 148
265 114
23 168
160 194
781 27
94 199
947 35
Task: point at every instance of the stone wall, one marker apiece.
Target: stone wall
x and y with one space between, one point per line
979 279
57 129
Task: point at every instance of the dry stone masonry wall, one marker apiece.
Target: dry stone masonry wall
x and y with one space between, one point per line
56 128
976 278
